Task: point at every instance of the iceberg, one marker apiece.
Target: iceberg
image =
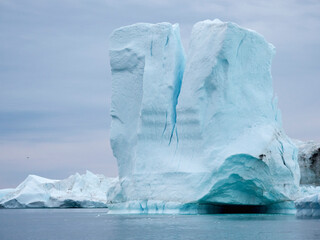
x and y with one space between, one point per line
196 131
77 191
308 201
308 207
309 162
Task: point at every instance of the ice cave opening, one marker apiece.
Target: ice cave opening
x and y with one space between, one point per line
232 209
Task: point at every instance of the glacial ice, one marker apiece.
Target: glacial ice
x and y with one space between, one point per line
200 129
309 162
308 199
4 192
308 207
87 191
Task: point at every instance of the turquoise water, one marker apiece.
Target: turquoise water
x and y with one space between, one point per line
96 224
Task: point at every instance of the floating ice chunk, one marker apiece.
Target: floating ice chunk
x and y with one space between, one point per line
308 207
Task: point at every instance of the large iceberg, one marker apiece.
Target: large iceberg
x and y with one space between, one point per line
196 130
80 191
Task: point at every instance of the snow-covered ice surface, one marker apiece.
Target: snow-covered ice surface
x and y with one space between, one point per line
197 129
87 190
6 191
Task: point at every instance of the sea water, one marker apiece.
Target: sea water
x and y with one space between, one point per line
96 224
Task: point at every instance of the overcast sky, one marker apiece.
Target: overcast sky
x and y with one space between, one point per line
55 80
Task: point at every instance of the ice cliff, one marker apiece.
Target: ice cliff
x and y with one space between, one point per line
87 190
196 129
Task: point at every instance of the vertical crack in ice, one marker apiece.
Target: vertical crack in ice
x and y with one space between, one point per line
167 41
177 136
165 125
240 45
151 46
176 93
281 150
281 153
179 70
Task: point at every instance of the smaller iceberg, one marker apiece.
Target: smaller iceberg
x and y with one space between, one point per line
77 191
308 207
309 162
308 203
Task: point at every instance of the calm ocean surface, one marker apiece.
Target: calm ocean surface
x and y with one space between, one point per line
96 224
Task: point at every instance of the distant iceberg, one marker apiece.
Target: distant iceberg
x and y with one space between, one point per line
197 129
308 200
309 162
84 191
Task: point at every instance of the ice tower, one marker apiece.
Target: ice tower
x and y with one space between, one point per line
201 130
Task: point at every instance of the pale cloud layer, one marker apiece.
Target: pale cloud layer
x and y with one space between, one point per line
55 81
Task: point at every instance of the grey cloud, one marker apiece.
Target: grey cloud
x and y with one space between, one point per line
55 82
